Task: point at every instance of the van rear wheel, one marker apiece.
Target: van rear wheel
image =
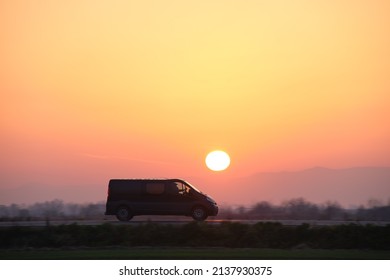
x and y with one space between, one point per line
199 213
123 214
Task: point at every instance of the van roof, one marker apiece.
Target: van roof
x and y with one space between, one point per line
156 179
147 179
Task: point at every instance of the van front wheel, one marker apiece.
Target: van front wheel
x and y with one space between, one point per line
123 214
199 214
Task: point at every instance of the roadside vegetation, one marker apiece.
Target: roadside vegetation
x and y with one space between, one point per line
199 235
161 253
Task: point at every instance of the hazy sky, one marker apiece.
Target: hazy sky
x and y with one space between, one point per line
92 90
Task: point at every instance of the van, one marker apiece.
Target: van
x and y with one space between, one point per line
131 197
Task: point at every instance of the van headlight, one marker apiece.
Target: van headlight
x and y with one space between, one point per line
211 200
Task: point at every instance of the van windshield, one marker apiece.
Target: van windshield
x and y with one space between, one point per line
191 186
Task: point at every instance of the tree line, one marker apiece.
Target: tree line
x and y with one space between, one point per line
55 209
301 209
293 209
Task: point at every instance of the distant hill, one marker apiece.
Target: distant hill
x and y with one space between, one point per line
350 187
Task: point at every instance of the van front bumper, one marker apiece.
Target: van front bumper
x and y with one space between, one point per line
214 211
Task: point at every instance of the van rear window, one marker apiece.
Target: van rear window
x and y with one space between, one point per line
125 187
155 188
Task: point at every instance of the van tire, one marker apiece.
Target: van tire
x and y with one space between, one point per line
123 214
199 213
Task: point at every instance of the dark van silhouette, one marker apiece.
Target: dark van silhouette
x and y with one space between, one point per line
130 197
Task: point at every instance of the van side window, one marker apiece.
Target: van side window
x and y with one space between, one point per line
171 188
176 188
182 188
155 188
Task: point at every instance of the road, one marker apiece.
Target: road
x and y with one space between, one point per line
181 221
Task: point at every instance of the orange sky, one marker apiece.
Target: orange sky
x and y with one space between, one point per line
92 90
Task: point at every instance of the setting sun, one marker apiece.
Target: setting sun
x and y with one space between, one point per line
217 160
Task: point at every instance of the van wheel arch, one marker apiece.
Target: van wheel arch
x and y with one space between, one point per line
199 213
124 213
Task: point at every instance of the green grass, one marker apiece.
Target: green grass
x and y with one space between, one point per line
190 253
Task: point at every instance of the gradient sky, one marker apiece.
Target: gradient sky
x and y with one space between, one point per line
92 90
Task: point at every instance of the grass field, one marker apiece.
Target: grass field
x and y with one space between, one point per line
191 253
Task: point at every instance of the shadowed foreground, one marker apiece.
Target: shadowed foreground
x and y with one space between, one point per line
196 240
163 253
